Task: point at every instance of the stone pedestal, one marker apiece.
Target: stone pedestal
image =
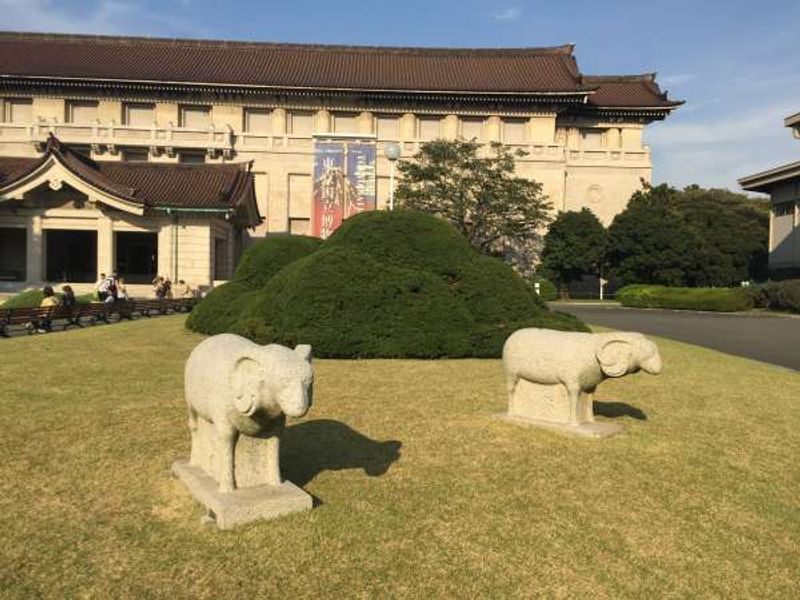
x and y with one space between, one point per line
547 406
260 493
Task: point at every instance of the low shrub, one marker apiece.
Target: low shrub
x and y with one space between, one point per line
547 289
710 299
33 298
777 295
400 284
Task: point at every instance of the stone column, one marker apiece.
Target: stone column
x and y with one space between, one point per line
614 138
279 121
366 123
34 251
450 127
322 121
105 245
493 129
408 127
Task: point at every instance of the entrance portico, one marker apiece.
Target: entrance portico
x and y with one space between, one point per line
65 219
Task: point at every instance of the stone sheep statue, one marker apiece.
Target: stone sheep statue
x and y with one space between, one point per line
239 387
573 362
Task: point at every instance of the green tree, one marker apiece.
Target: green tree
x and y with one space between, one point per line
649 242
474 188
689 237
734 231
575 245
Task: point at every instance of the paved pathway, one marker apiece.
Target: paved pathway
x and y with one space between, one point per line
769 339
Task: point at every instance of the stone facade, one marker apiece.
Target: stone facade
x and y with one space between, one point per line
583 136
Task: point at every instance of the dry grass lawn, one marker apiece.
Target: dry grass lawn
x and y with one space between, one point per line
422 494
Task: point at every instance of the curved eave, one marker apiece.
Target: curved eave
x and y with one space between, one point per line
41 173
566 96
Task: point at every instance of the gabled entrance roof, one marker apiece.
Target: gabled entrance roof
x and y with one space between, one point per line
135 187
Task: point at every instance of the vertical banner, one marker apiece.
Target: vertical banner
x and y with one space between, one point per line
344 183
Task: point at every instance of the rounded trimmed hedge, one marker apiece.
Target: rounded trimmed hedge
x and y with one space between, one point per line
399 284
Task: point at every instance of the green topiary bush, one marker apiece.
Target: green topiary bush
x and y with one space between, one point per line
265 258
33 298
220 310
400 284
710 299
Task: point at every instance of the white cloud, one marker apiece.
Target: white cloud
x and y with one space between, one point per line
511 13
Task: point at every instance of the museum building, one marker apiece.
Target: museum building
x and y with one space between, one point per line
157 156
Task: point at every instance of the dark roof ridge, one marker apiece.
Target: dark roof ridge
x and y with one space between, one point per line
566 49
237 166
647 77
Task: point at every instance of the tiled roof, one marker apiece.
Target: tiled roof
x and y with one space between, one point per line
620 91
504 71
152 185
289 65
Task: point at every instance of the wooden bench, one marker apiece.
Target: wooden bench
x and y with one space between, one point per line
46 318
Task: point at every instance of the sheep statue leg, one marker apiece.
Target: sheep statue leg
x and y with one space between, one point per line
226 443
574 395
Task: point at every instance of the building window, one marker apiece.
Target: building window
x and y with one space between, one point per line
71 255
13 254
81 112
472 129
514 131
301 122
221 271
192 157
139 114
345 123
17 110
257 120
137 256
430 128
135 154
591 139
388 127
300 193
195 117
782 209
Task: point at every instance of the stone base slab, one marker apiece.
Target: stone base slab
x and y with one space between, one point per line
242 505
589 430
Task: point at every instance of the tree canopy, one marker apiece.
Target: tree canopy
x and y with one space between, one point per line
473 186
574 245
689 237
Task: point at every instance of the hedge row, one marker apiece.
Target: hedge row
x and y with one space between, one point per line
33 298
777 295
710 299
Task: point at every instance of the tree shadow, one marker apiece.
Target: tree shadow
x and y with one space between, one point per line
311 447
614 410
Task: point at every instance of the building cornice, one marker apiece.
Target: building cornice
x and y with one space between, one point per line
765 180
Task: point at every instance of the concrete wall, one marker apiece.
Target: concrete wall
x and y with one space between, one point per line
784 237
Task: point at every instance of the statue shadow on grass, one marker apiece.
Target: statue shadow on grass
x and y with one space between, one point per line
311 447
614 410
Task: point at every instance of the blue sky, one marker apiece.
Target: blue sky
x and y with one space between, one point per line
735 62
